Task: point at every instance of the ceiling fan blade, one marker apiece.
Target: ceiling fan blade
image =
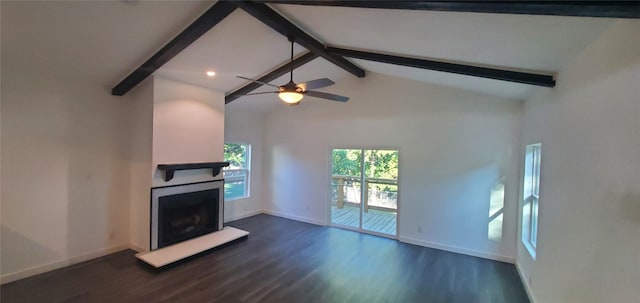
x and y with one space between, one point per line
256 81
260 93
317 83
327 96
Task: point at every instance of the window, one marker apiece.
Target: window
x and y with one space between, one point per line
531 197
236 175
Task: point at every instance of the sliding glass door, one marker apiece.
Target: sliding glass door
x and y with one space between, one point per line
364 190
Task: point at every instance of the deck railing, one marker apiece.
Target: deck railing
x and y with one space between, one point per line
347 192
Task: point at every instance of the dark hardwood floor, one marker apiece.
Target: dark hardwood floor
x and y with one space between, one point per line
284 261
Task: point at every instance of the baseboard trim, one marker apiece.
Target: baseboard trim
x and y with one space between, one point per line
293 217
137 248
247 215
409 240
36 270
460 250
525 282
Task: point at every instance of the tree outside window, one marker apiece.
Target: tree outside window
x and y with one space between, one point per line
236 175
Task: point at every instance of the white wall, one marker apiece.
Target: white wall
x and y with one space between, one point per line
188 127
140 165
242 126
171 122
589 127
64 173
454 146
65 139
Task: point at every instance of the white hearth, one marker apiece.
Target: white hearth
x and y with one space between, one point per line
171 254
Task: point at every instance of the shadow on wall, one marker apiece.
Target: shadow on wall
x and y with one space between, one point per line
97 200
97 180
14 258
487 181
592 72
480 198
630 209
618 277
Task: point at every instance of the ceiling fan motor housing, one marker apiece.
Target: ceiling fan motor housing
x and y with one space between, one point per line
291 87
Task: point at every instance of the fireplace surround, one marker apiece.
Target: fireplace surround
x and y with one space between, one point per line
186 211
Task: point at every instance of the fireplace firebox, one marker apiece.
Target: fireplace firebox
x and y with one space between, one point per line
183 212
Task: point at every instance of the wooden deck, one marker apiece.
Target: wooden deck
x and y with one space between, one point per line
373 220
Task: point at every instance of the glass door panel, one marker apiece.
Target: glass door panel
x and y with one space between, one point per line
380 206
346 187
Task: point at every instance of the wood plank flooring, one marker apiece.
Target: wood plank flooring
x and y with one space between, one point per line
284 261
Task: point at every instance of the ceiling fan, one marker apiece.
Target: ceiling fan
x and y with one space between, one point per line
292 93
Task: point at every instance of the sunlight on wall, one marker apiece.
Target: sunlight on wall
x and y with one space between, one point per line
496 210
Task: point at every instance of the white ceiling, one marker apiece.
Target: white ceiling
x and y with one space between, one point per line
517 41
241 45
482 85
103 41
93 41
514 42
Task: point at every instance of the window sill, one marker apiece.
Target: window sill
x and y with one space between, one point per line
234 199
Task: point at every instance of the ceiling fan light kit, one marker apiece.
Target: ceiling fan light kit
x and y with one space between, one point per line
290 98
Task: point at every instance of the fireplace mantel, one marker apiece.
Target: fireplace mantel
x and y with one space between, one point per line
169 169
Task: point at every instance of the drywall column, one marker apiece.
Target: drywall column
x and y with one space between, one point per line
186 126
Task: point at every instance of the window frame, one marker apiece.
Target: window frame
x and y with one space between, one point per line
531 197
246 171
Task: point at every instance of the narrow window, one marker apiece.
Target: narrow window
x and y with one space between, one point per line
236 175
531 197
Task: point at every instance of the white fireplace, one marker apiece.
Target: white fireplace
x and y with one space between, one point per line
176 187
183 212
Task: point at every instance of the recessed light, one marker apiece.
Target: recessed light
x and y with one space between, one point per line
211 73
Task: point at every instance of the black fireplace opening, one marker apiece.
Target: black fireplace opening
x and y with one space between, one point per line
187 215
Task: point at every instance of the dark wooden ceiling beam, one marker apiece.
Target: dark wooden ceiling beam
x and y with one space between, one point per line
204 23
272 75
456 68
606 9
280 24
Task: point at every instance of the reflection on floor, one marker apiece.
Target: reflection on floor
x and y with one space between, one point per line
373 220
284 261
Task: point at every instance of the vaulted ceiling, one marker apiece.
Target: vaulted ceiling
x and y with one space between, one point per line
508 42
242 45
108 40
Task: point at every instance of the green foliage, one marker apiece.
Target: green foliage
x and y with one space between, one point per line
236 155
346 162
381 164
378 164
